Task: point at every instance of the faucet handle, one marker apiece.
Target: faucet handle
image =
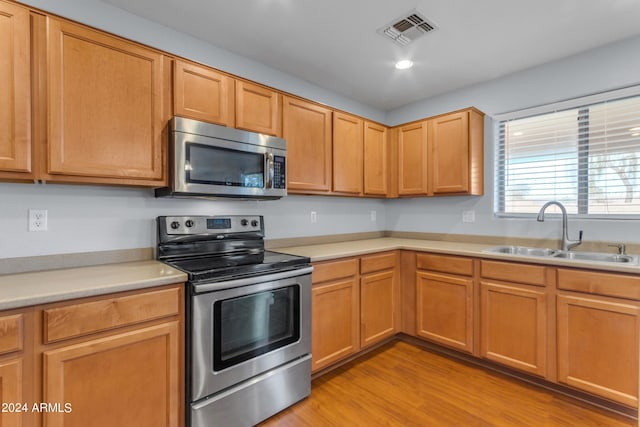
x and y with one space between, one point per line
622 249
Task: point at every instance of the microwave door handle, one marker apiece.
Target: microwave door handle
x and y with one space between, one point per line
268 158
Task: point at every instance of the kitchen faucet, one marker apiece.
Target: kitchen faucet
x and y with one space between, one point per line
566 243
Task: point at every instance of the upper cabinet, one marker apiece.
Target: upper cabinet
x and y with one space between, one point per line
202 93
412 159
347 154
307 128
258 108
377 161
15 87
457 155
107 108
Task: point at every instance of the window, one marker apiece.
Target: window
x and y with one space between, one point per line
583 153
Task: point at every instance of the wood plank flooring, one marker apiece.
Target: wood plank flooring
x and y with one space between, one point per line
404 385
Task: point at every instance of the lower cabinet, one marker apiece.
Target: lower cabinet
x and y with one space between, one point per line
354 306
335 312
102 361
599 332
444 300
14 377
514 316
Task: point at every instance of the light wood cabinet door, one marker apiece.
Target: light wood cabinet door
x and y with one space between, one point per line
11 394
131 378
376 160
202 93
379 294
513 326
15 90
412 160
258 109
307 128
106 107
598 346
456 153
444 310
347 154
335 312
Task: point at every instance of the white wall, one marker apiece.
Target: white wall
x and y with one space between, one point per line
88 218
609 67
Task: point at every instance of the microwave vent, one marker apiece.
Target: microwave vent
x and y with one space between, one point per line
407 28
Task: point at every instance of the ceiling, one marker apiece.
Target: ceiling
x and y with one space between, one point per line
334 44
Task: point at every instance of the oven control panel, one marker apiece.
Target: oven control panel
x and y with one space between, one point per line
181 225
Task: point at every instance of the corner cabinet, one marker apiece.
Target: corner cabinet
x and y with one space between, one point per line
412 159
107 108
16 145
377 160
307 128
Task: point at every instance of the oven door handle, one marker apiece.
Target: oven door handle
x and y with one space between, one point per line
218 286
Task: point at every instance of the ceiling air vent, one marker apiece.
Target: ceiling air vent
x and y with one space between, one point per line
407 28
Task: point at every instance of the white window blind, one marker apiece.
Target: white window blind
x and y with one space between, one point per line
586 156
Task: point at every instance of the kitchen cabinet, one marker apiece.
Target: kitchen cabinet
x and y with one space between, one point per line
335 316
412 159
15 377
307 128
203 93
258 108
377 161
444 300
514 317
16 144
598 333
456 161
379 297
107 108
347 154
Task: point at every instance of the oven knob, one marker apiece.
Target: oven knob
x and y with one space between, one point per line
254 223
175 225
189 223
244 222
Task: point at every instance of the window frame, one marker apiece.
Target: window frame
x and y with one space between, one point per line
582 103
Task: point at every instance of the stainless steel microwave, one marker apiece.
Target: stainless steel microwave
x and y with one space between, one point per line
207 160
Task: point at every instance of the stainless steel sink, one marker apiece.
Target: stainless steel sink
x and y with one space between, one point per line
556 253
597 257
522 250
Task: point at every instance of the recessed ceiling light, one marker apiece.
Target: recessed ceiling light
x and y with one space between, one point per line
404 64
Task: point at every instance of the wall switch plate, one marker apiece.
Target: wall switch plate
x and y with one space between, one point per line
468 216
38 219
314 217
373 216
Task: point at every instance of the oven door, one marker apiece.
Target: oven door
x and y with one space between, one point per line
259 324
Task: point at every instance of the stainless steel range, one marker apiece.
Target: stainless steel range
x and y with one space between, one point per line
248 346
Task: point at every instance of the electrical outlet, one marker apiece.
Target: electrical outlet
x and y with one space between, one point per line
372 216
314 217
37 220
468 216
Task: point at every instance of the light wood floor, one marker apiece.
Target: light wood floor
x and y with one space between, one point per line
403 385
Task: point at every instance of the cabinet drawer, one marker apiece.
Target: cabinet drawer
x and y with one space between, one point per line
615 285
513 272
332 270
445 264
95 316
377 262
11 333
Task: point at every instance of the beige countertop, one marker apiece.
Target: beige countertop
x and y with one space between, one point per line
26 289
328 251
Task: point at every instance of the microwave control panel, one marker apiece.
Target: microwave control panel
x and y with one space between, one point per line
279 172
